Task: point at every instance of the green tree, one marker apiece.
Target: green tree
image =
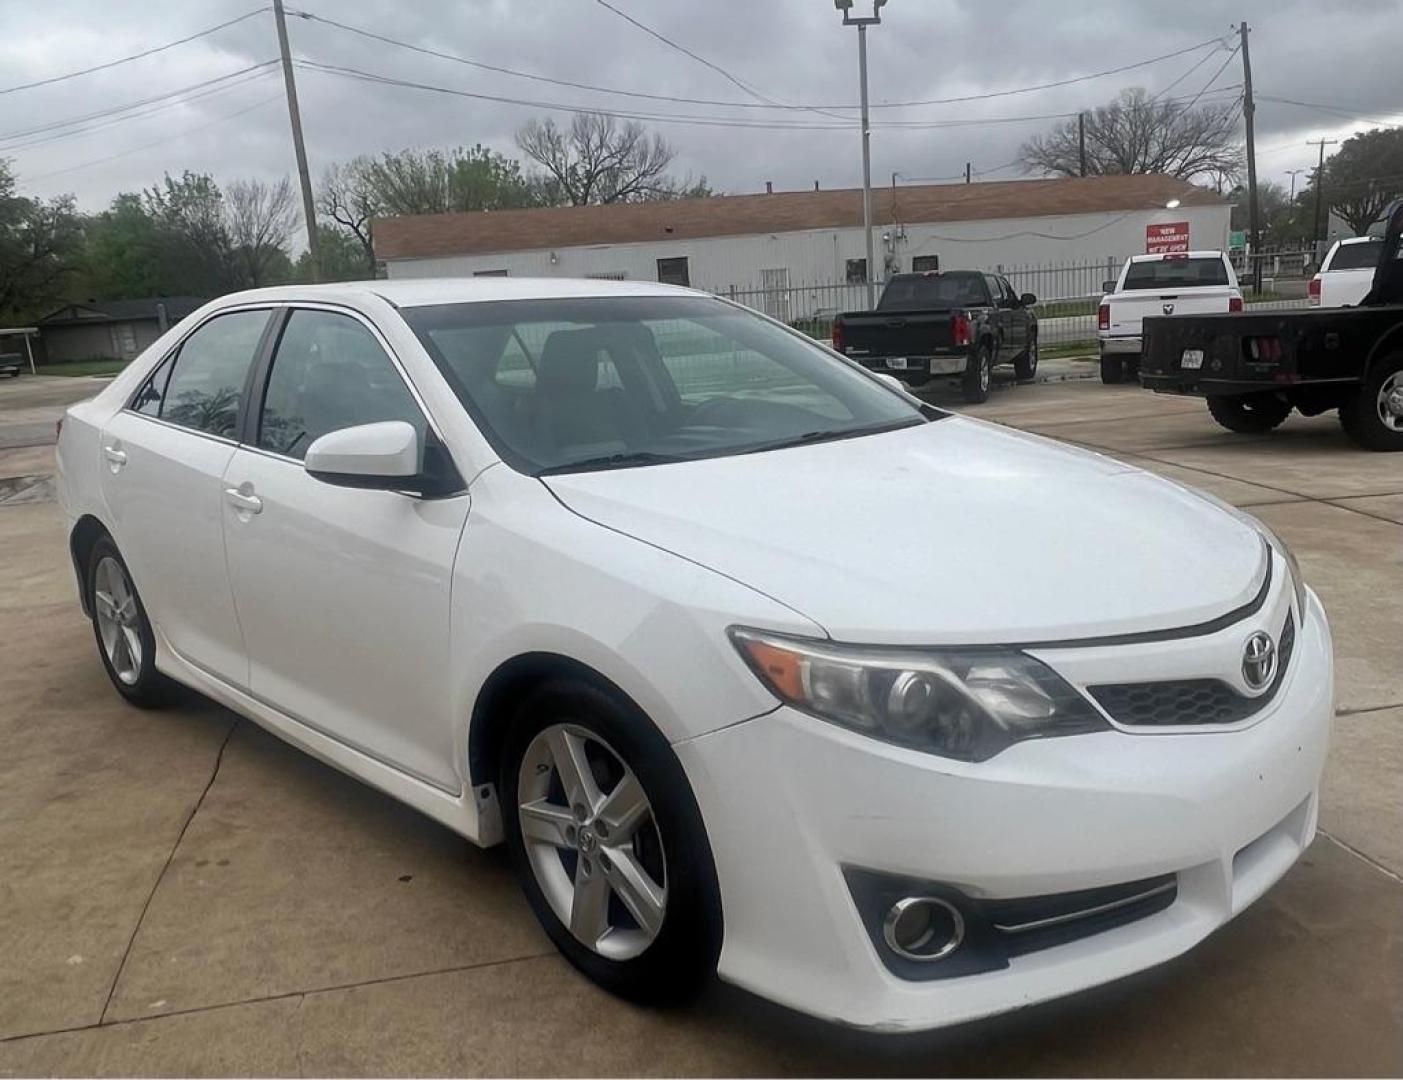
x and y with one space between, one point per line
342 257
39 242
193 242
122 252
1285 224
1364 176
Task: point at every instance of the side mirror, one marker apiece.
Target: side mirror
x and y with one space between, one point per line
1027 299
382 455
1109 285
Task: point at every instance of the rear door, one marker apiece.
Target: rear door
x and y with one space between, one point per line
343 593
1173 285
165 456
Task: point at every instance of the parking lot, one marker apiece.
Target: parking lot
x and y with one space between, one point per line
180 893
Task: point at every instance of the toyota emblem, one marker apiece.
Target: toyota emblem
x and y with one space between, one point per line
1258 660
1169 309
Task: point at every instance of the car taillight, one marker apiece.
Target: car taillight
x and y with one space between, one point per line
959 328
1313 290
838 337
1268 349
1103 317
1234 303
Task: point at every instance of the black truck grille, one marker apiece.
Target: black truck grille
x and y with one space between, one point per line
1191 701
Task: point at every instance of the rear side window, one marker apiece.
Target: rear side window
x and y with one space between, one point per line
329 372
1183 273
207 382
1357 256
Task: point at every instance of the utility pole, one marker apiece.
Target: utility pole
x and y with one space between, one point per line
1249 108
862 23
309 210
967 175
1293 173
1081 140
1319 229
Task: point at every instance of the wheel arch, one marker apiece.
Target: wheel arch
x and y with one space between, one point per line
1390 341
82 538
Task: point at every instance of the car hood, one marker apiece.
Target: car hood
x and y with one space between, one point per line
956 531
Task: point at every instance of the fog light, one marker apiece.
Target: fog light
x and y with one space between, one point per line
923 928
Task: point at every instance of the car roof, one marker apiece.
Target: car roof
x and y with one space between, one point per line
1162 255
1359 240
420 292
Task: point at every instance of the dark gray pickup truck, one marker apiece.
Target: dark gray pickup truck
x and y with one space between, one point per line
958 323
1256 369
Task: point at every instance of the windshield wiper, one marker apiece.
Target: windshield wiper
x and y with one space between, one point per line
831 435
619 460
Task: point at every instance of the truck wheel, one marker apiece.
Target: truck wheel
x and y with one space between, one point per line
1112 369
1374 419
1026 366
1249 414
978 375
1132 367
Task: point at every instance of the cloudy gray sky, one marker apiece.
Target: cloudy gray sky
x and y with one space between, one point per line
1339 55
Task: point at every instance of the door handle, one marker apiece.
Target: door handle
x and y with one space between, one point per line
246 501
115 457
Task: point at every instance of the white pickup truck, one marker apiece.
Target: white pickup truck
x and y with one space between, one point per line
1346 273
1183 283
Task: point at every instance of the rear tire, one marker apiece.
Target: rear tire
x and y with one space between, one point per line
666 843
1249 414
125 641
1374 419
979 375
1026 366
1112 369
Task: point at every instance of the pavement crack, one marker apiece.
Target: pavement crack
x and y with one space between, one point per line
1362 856
140 919
1362 709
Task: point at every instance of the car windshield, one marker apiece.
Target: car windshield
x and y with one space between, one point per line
1176 273
910 292
1363 256
562 385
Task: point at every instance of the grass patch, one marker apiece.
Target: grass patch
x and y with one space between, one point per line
82 367
1066 350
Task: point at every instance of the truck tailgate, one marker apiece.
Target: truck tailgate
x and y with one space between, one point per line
896 334
1129 309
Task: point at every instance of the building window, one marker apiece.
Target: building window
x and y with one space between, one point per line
674 271
489 273
857 271
921 264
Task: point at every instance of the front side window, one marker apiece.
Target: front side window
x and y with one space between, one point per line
207 382
329 372
636 380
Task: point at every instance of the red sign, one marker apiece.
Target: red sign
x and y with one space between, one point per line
1173 236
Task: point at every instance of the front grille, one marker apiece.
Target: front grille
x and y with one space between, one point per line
1191 701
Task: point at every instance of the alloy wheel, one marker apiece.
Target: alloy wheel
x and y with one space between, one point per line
592 841
118 623
1390 402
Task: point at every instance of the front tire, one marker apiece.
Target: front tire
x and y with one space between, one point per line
1249 414
125 640
978 376
1026 366
1112 369
608 844
1374 419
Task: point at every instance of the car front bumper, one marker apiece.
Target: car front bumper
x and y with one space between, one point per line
790 802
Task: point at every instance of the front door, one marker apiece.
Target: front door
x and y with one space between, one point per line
343 593
164 458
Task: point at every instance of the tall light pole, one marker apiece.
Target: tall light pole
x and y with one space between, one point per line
862 23
1293 173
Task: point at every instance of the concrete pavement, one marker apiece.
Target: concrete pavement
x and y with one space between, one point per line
180 893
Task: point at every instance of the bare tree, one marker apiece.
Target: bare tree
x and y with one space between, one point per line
260 218
597 161
349 197
1136 134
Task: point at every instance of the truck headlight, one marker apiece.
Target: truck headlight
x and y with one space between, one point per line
959 703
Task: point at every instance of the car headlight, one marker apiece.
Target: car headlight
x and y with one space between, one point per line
959 703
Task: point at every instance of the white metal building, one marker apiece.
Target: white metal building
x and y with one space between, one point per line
788 241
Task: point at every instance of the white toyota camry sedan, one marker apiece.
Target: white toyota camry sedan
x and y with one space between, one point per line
757 664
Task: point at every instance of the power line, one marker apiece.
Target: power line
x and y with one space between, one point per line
1347 113
91 122
134 56
158 142
1197 64
1194 100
